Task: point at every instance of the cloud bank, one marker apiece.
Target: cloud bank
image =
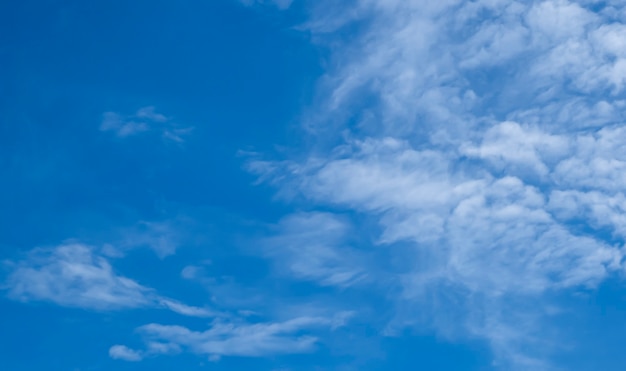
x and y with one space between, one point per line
488 136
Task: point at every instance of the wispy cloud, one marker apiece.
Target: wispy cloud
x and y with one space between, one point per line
312 246
146 119
280 4
232 338
124 353
164 237
75 275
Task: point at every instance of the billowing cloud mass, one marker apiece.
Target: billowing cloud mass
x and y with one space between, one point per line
489 136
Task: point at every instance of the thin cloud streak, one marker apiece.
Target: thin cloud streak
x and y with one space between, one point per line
145 120
235 338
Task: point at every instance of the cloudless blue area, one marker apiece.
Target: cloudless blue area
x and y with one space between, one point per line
237 78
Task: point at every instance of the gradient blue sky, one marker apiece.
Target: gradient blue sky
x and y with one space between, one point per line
312 185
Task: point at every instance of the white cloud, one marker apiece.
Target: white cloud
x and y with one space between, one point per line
502 224
599 162
124 353
146 119
377 175
521 149
75 275
598 210
559 20
505 241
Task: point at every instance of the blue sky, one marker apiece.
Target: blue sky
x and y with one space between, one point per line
312 185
